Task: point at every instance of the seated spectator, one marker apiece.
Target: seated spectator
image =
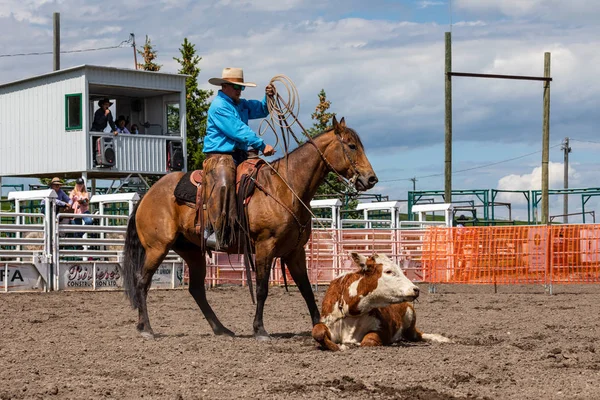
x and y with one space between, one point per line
103 117
81 202
121 122
135 130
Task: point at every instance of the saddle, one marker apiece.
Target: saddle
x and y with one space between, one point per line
189 189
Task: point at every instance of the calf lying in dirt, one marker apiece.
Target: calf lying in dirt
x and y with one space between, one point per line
369 307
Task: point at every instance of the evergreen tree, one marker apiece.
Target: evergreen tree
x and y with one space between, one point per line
321 117
149 55
196 105
332 187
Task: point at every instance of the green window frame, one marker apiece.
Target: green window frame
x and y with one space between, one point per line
73 112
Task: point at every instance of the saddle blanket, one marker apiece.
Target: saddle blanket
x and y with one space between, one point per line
185 191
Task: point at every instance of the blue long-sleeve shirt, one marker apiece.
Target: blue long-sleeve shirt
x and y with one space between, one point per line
227 124
62 200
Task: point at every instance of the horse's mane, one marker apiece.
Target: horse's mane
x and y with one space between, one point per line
349 131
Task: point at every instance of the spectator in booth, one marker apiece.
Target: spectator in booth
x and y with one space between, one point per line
103 117
81 202
135 130
122 125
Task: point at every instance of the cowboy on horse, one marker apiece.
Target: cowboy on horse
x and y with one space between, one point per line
226 143
275 219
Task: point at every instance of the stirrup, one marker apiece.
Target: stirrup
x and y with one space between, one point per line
211 240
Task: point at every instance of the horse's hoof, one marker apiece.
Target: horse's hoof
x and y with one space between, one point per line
147 335
263 338
224 332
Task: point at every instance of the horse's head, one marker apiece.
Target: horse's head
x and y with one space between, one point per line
347 156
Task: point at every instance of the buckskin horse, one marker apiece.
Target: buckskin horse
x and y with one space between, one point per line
279 225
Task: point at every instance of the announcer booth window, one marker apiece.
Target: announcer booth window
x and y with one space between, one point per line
73 114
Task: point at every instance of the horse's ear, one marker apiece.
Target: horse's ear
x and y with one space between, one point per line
339 127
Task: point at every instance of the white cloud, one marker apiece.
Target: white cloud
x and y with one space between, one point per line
536 9
426 4
261 5
533 181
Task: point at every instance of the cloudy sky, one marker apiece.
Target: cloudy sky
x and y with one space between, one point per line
381 63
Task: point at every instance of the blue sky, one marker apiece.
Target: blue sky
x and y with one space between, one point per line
381 63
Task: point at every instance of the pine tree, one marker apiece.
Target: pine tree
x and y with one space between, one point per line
196 104
332 187
321 117
149 55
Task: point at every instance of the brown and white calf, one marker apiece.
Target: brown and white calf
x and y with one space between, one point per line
369 307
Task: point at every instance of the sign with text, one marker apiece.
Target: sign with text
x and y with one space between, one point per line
81 276
20 277
537 248
163 277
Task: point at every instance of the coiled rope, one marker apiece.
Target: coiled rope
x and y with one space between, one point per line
282 116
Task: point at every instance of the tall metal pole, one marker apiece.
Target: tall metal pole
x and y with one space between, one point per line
565 147
448 122
414 181
56 41
545 140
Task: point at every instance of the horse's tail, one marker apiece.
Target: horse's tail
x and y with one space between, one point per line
135 256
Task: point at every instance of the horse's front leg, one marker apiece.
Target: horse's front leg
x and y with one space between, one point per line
264 259
296 263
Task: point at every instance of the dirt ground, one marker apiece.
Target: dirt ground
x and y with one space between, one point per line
517 344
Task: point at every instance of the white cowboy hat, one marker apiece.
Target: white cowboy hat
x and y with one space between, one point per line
231 75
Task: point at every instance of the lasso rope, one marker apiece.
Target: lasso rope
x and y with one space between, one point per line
282 115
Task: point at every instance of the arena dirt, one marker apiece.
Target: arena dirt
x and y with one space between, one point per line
519 343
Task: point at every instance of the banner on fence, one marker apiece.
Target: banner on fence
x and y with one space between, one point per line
20 277
537 248
81 276
168 275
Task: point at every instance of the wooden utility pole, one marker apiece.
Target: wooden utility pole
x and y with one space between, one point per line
545 139
134 52
545 124
56 41
565 147
448 122
414 181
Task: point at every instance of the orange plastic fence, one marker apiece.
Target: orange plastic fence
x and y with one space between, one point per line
512 254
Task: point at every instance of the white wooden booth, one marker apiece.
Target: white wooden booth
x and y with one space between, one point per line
47 119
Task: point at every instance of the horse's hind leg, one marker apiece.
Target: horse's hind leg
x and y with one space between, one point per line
153 260
196 262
